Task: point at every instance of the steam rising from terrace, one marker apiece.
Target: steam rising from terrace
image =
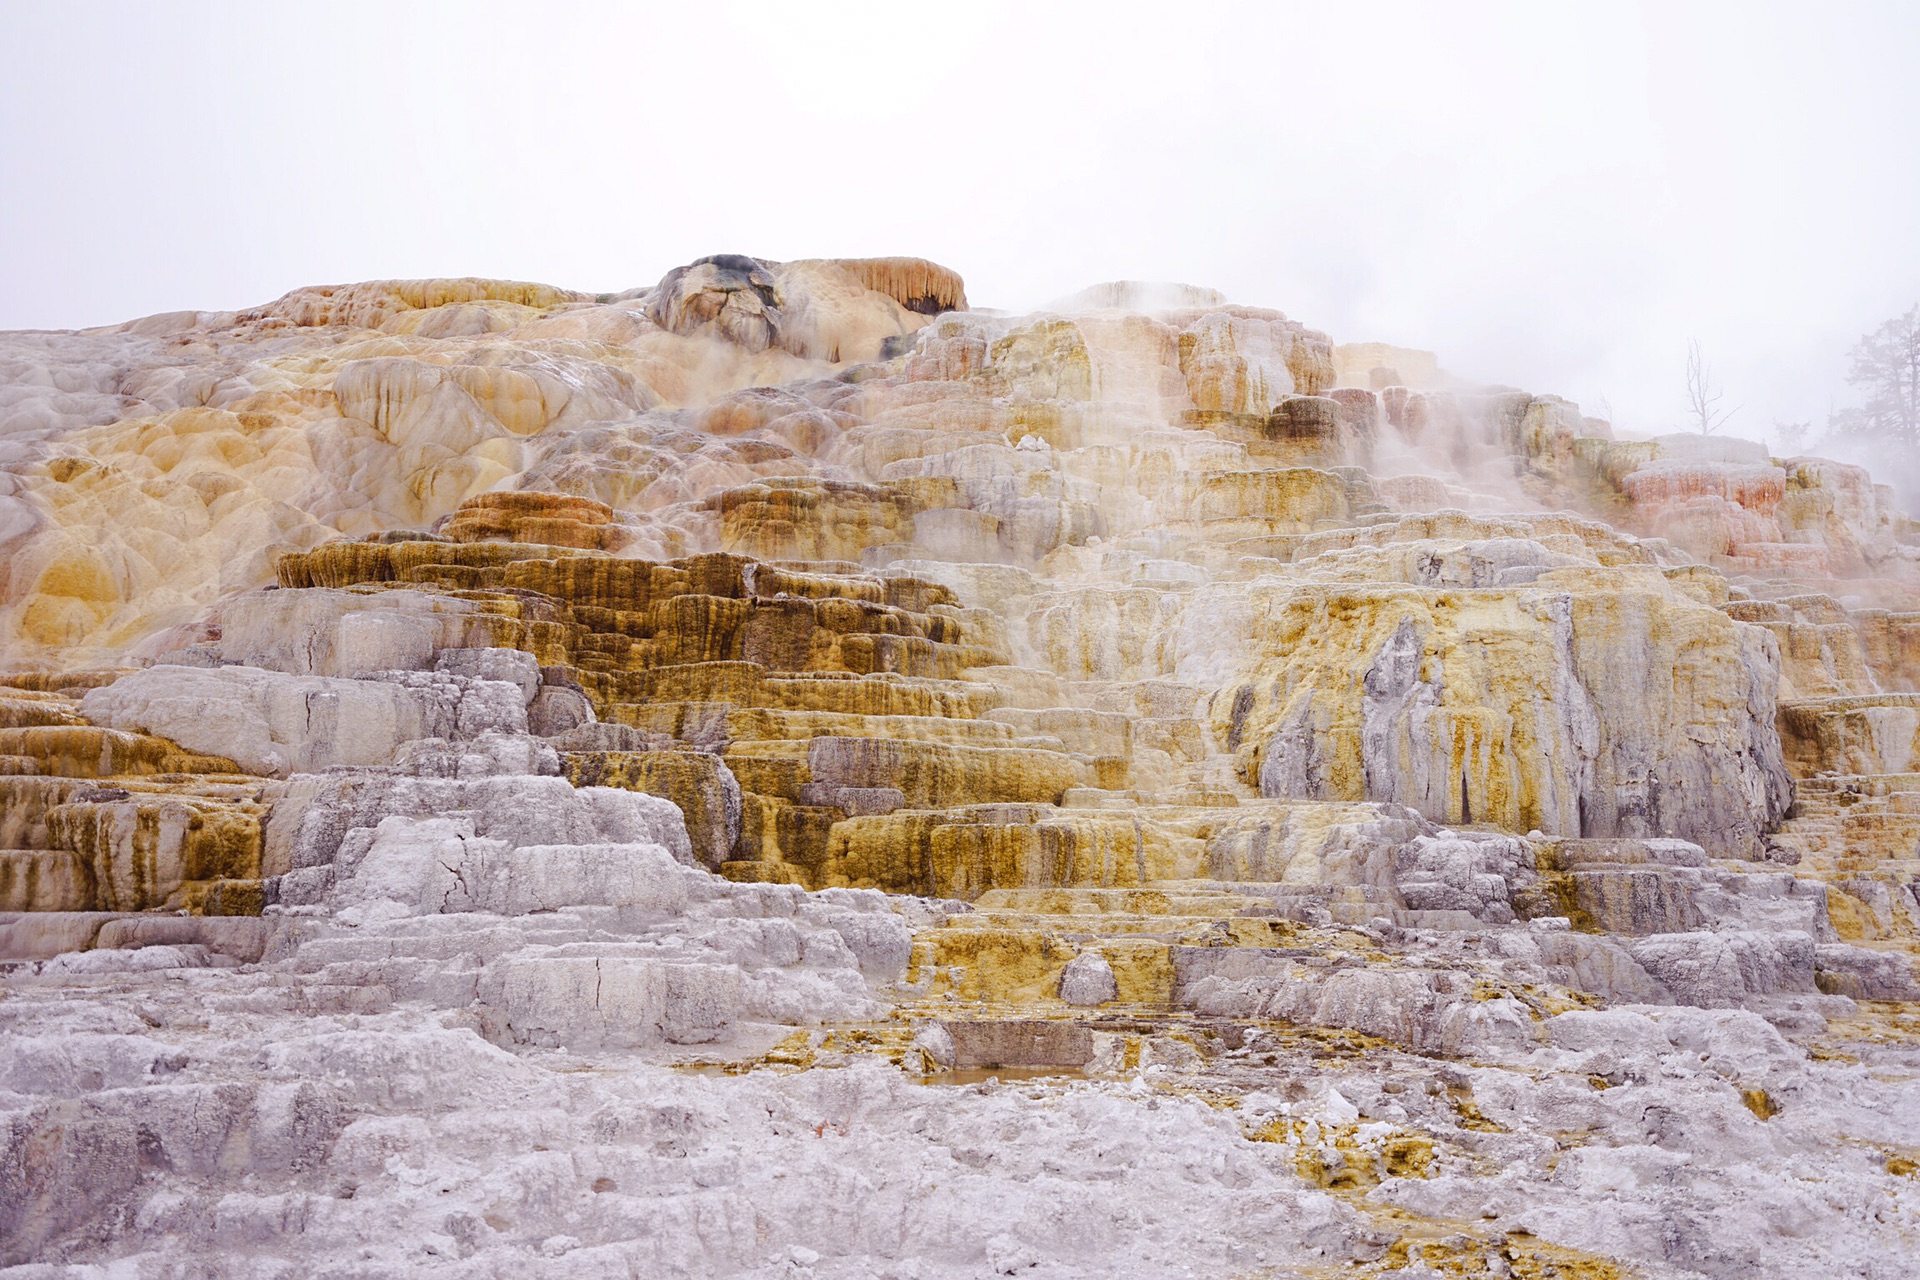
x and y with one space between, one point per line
787 665
859 387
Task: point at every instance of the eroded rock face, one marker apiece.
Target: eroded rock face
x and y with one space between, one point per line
436 712
1568 712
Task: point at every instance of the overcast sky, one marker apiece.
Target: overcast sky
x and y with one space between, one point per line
1555 196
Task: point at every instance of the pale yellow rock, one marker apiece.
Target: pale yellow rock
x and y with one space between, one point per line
1247 716
1396 366
1529 709
897 562
357 409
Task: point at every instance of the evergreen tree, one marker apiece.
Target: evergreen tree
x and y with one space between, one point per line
1885 364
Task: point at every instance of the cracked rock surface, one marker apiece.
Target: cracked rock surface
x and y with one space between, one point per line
780 774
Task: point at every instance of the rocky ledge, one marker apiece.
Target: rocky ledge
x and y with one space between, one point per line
781 774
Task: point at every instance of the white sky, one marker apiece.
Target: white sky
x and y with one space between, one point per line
1552 195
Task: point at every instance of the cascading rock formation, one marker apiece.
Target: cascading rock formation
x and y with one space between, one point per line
780 774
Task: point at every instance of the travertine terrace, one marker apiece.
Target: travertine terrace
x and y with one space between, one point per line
778 773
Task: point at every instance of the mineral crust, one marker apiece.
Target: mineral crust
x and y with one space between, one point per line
780 774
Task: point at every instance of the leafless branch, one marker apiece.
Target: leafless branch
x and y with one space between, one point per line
1703 397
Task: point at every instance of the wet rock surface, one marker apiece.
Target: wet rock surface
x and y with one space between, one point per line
779 774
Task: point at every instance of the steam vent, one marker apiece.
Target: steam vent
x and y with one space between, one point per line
779 774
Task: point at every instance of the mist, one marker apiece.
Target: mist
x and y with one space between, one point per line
1556 198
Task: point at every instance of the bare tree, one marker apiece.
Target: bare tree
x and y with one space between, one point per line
1886 365
1703 397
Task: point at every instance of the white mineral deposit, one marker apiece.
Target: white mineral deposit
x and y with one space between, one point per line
783 773
777 773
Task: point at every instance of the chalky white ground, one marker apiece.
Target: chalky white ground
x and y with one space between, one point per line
381 1094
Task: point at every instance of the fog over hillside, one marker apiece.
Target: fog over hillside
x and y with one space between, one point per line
1557 198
